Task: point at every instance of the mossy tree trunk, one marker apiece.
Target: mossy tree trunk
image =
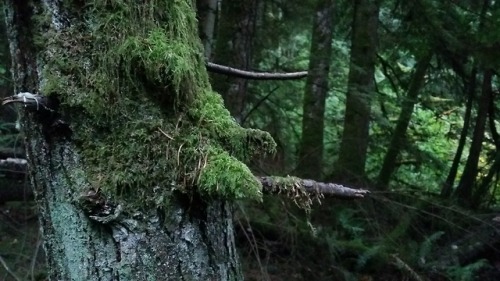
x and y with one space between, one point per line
133 159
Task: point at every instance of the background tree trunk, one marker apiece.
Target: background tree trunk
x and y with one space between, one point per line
468 178
399 133
235 44
121 171
311 145
5 83
350 167
470 86
207 13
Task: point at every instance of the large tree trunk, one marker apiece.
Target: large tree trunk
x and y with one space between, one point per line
399 134
350 167
311 145
132 157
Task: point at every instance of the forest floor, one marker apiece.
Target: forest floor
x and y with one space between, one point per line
264 253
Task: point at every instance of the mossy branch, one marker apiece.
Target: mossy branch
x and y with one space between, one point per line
270 185
276 185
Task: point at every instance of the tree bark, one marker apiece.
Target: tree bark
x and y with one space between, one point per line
399 133
311 146
126 157
350 167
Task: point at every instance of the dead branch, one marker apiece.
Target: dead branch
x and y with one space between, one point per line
275 185
230 71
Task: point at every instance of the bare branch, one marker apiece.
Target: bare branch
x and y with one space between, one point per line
280 185
230 71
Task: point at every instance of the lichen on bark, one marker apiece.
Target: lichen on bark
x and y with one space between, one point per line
111 68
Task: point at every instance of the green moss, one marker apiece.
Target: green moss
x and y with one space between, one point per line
224 175
216 121
162 59
133 86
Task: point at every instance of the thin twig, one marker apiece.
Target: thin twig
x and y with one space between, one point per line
4 264
252 240
33 259
165 134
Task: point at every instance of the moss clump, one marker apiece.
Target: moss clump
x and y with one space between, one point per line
224 175
133 86
215 120
165 60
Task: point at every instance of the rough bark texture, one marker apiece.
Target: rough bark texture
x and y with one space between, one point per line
350 167
183 242
399 133
467 181
311 145
117 129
